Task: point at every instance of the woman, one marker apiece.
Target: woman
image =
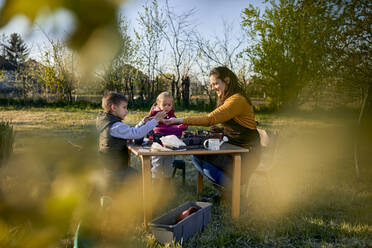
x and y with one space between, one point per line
235 112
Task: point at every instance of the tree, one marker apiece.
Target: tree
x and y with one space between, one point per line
47 76
221 51
352 47
302 42
16 51
149 40
59 74
289 45
177 30
119 74
204 66
3 39
352 53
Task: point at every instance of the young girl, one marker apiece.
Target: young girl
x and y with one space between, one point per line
162 165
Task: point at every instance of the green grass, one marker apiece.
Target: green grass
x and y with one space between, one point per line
316 199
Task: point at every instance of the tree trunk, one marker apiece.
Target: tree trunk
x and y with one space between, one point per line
46 92
157 85
178 93
152 89
366 102
125 83
186 91
77 91
173 87
142 89
148 84
24 90
131 89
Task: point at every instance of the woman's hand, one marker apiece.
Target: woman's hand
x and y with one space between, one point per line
160 116
172 121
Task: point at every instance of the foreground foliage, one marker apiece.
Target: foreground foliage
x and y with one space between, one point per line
51 185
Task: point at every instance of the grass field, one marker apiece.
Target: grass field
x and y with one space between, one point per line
316 199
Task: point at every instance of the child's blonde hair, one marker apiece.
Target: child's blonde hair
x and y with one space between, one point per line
160 97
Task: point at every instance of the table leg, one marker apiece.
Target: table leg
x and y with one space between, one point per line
199 186
146 187
235 204
129 156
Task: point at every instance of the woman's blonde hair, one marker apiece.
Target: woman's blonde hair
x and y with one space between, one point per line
161 96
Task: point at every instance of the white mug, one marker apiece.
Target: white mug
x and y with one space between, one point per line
213 144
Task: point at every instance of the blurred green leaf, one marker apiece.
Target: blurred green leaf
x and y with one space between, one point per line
90 15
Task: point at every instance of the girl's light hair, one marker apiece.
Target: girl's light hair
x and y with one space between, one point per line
161 96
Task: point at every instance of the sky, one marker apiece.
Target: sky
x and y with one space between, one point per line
209 16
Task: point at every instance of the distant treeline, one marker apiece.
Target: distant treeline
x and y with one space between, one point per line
86 105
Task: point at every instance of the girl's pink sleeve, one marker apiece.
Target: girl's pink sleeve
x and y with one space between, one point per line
182 126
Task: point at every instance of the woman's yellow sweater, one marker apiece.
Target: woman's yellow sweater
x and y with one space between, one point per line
235 107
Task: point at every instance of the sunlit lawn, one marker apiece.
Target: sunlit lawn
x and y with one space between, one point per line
316 199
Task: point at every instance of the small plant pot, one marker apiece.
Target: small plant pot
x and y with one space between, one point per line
166 229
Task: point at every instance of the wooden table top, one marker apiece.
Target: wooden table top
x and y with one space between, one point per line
226 148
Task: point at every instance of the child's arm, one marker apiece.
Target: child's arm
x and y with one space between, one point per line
149 117
180 126
124 131
121 130
143 121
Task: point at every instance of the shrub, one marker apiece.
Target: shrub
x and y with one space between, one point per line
6 141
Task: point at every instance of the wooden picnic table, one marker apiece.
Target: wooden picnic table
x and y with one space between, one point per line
144 153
